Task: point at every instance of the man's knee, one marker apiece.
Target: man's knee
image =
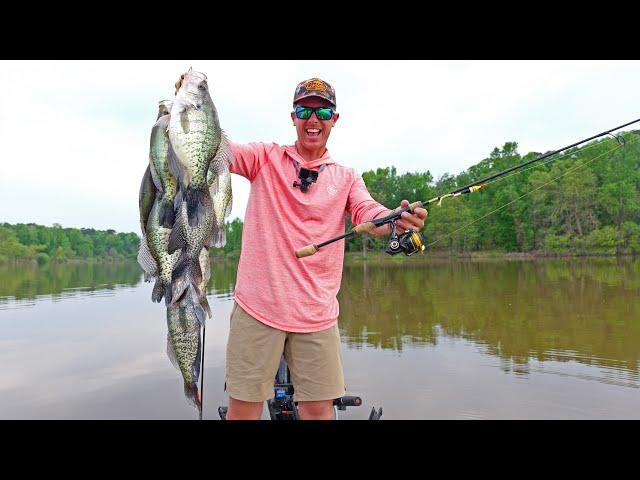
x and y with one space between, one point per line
316 410
241 410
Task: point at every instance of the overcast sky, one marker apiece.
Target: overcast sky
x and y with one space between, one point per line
75 134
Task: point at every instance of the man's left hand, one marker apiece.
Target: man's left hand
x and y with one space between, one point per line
408 220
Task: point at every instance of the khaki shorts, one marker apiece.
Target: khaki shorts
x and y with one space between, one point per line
254 351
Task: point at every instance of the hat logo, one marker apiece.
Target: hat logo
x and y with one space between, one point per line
316 85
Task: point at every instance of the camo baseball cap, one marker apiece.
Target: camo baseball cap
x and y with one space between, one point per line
314 87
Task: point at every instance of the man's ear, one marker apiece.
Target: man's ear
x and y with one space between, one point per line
335 117
293 118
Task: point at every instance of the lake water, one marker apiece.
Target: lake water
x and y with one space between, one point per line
422 338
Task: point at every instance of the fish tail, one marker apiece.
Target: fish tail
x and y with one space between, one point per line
204 303
167 213
168 294
197 206
192 394
220 239
158 291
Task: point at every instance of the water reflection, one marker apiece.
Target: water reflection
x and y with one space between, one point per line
583 310
423 339
28 282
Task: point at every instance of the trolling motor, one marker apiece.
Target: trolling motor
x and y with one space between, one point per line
408 242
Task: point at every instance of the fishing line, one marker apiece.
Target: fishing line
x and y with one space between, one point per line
570 170
552 159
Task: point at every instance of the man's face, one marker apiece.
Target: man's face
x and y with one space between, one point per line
313 133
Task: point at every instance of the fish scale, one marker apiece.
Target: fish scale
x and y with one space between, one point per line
196 147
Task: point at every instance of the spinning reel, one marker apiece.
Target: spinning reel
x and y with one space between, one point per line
408 242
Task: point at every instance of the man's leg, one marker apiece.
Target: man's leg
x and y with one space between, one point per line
241 410
253 355
315 361
320 410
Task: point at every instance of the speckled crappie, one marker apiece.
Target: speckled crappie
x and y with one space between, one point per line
160 151
201 165
153 255
195 135
183 333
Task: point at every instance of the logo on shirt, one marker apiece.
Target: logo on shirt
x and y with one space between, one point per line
331 190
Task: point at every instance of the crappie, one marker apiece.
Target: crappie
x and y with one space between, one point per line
201 164
184 348
159 152
194 132
183 337
219 179
189 241
154 257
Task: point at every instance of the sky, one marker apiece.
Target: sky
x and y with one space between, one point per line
75 134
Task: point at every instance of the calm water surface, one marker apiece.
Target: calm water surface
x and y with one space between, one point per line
423 339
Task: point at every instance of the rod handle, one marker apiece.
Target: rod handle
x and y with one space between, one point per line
414 205
306 251
365 227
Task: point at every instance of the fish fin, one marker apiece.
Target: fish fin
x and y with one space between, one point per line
224 150
146 260
205 305
227 187
200 312
186 273
167 213
197 210
176 237
167 294
158 291
177 202
217 238
221 238
209 240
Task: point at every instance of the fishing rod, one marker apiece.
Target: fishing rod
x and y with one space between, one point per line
202 373
412 241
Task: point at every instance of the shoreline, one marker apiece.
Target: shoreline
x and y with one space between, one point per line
382 257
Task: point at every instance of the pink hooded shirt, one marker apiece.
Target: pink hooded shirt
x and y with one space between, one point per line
273 285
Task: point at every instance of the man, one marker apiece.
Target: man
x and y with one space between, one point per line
285 305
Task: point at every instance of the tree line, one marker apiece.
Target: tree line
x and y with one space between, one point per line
585 200
42 244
